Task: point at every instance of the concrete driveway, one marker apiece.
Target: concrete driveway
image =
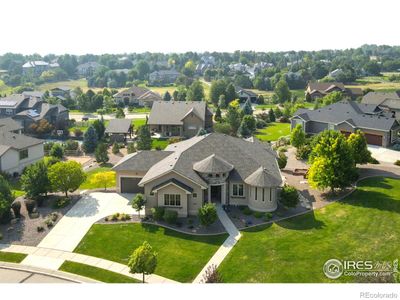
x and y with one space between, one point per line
384 154
70 230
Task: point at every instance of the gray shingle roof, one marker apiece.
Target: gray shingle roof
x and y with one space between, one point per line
140 161
174 181
173 112
12 101
262 178
245 156
359 115
119 126
16 141
388 99
212 164
8 124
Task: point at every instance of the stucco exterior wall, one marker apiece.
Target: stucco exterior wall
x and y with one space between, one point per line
192 125
193 204
172 189
10 162
267 203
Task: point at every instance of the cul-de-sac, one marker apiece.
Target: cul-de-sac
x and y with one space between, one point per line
211 167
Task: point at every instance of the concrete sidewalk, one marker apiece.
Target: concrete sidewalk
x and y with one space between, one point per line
226 247
52 259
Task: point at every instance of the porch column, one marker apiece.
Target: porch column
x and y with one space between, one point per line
223 192
209 194
180 130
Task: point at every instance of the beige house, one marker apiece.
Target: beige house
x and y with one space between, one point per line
137 96
18 151
387 101
179 118
209 168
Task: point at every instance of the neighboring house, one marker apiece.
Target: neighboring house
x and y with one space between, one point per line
37 67
137 96
380 128
18 151
179 118
56 114
119 129
245 95
10 125
27 110
213 168
34 94
61 92
335 73
388 101
320 89
206 62
87 69
163 77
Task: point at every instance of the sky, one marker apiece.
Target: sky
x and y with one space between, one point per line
126 26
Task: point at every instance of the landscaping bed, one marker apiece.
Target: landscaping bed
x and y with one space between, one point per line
363 226
95 273
180 256
25 230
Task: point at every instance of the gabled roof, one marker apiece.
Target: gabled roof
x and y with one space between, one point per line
36 94
173 181
8 124
41 110
323 87
140 161
245 156
384 98
119 126
361 115
17 141
262 178
135 90
173 112
212 164
32 64
238 89
12 101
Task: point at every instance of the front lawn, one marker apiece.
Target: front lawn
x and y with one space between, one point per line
12 257
89 185
159 144
95 273
138 122
180 256
365 226
273 131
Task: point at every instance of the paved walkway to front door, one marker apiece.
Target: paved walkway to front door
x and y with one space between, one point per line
226 247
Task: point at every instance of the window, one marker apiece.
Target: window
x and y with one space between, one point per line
331 126
237 190
194 195
263 198
270 195
23 154
172 200
217 175
9 111
256 196
210 175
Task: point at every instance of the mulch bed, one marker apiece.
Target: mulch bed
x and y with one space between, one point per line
23 231
183 225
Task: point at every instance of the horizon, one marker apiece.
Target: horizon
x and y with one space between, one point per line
206 26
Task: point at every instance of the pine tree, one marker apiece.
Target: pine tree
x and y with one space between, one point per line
144 140
271 115
90 140
247 109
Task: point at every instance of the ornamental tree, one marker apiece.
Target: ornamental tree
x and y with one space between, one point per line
298 137
6 199
138 203
143 260
358 145
104 179
66 176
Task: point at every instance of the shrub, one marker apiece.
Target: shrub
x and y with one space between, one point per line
303 152
158 213
267 216
16 207
289 196
396 147
174 140
373 161
258 214
212 275
53 216
170 216
208 214
77 132
57 151
283 149
131 148
247 211
40 228
260 124
49 223
71 145
61 202
30 205
115 148
397 162
282 160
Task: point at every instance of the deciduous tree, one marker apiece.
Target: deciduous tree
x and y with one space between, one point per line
66 176
143 260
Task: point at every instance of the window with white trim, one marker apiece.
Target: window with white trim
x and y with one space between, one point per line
237 190
331 126
172 200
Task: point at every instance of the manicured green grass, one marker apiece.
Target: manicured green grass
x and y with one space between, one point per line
84 125
265 106
273 131
16 188
159 144
365 226
89 185
95 273
82 83
12 257
140 110
180 256
138 122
